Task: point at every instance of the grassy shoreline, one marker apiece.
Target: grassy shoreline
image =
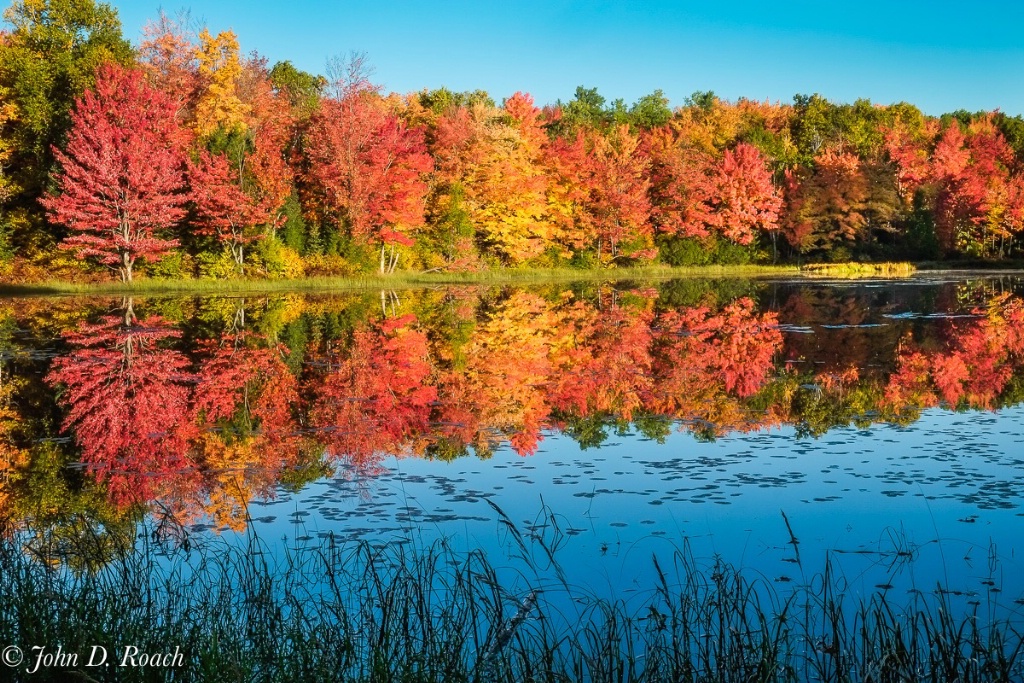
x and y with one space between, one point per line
412 280
403 280
429 279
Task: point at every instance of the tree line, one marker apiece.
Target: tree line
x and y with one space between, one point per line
181 157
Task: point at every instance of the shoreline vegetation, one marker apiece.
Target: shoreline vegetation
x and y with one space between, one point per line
359 611
407 280
512 276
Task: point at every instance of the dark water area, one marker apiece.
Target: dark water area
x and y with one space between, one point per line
779 426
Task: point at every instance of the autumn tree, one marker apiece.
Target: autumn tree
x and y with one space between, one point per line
679 184
971 173
219 66
367 170
599 194
620 208
223 209
167 54
241 179
827 204
743 199
490 160
121 181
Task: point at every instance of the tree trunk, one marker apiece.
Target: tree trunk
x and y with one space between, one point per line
125 269
394 260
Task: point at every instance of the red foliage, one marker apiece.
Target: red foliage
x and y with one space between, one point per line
743 198
827 207
121 180
223 209
127 403
619 206
910 158
368 167
601 191
271 125
679 184
378 399
974 189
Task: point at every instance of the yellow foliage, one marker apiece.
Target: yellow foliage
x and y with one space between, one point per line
12 457
8 113
219 105
506 188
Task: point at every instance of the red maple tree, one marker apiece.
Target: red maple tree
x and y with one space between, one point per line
122 172
744 198
367 168
224 209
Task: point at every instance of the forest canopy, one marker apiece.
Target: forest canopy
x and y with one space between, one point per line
181 157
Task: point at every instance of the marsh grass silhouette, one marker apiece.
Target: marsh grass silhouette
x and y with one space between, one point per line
328 610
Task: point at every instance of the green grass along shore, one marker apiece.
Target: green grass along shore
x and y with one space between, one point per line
425 279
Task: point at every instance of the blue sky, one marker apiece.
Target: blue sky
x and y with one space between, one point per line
938 55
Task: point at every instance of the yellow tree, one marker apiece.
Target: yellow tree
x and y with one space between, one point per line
8 113
220 68
505 183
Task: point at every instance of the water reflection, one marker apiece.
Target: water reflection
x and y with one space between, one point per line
193 408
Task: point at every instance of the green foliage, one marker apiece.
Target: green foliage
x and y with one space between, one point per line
277 260
175 265
451 229
691 251
774 146
1012 128
702 99
920 240
651 111
46 62
303 89
218 265
441 100
6 248
961 116
234 143
294 232
585 111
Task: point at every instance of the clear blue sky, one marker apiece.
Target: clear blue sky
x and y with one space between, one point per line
938 55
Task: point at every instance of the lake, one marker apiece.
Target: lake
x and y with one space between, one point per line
861 434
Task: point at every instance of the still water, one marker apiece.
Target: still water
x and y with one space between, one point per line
776 425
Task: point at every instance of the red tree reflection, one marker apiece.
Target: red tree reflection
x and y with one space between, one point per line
127 401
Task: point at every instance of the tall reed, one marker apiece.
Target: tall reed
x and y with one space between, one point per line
328 610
